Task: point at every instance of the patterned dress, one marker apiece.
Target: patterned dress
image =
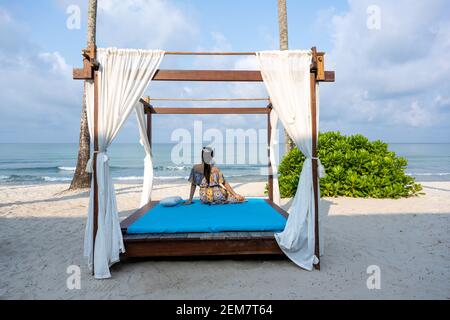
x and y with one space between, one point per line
214 192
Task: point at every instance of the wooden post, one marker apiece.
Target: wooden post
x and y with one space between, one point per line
149 128
94 162
149 121
270 171
314 154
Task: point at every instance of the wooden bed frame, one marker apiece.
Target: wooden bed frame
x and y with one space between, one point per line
199 244
195 243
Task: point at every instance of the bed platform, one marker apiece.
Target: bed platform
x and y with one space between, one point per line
200 230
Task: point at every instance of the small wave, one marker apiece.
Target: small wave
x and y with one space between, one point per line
138 178
428 174
67 168
28 168
129 178
240 175
242 167
171 178
20 178
172 168
125 167
29 178
177 168
56 179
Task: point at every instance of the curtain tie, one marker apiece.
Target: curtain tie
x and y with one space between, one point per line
100 155
320 167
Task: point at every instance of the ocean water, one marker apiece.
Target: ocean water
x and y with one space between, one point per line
55 163
426 161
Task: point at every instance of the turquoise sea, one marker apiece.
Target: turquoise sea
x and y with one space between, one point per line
55 163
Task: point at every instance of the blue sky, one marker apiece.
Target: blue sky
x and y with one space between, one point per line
392 81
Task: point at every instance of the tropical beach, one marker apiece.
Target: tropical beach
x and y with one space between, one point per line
157 150
407 238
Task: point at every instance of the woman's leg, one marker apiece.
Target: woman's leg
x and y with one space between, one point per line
203 195
233 196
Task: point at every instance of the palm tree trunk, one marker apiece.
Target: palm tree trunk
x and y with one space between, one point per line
82 179
284 45
283 25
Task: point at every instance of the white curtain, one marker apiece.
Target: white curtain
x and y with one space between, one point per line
286 76
274 152
147 185
122 79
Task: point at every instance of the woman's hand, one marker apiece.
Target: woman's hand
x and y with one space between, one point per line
239 197
191 195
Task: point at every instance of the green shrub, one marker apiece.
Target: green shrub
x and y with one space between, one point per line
355 167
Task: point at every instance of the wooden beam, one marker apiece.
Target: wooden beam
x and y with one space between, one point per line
81 74
219 75
199 247
277 208
208 75
329 77
203 53
210 99
167 110
193 53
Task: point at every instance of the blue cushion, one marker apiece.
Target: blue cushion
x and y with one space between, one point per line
171 201
253 215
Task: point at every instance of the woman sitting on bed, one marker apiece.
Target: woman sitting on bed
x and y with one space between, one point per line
213 187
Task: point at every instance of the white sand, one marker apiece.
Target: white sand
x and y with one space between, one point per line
41 234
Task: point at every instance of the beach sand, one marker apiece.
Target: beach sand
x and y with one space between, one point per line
42 230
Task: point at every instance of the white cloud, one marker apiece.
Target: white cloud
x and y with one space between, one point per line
417 116
56 61
246 63
388 77
149 24
39 100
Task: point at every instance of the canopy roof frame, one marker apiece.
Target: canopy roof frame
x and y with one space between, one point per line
90 64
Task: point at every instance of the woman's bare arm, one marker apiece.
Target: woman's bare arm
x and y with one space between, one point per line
193 187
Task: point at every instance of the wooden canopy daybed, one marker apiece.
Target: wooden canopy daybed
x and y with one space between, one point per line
201 244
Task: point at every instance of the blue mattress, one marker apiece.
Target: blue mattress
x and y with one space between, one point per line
253 215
